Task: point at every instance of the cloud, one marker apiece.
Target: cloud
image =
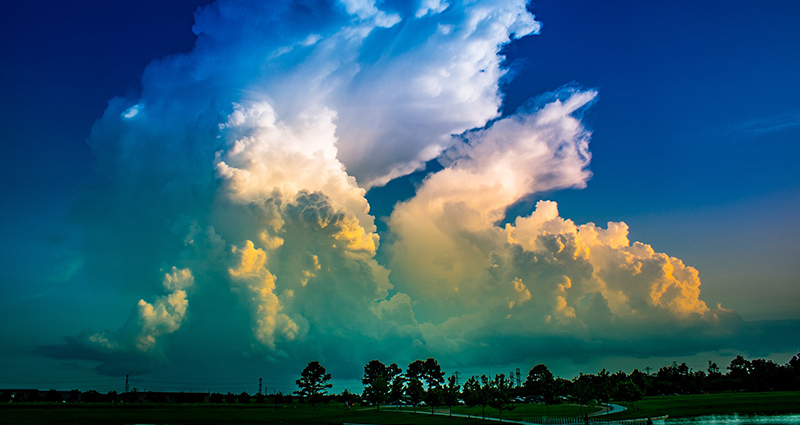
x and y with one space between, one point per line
242 168
542 276
135 347
779 122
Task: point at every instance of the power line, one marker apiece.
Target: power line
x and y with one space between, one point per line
59 382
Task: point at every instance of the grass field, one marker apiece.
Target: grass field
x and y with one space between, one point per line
674 406
214 414
520 411
714 404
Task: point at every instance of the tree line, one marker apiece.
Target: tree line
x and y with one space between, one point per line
423 383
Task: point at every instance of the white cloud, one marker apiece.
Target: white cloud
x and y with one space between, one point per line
250 165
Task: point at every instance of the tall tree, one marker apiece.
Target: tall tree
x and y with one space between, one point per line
431 374
415 391
540 381
313 382
627 390
397 387
474 393
376 383
500 392
450 393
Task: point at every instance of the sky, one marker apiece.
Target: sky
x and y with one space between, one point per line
198 194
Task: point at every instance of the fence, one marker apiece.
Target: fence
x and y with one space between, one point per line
545 420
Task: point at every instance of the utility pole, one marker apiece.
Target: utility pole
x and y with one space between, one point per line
259 385
647 369
126 383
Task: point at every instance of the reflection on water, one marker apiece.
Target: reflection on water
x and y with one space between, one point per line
793 419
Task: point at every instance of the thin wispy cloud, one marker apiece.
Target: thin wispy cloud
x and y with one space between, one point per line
776 123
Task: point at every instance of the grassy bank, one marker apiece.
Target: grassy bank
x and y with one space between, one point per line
714 404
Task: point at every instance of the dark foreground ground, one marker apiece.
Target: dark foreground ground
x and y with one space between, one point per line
97 414
216 415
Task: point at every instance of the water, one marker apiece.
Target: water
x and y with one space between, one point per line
792 419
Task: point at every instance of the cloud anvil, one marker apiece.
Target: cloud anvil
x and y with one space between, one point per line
237 179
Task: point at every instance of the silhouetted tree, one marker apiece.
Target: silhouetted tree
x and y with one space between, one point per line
500 391
628 391
793 373
348 398
278 398
53 396
376 383
397 389
431 373
415 391
92 396
313 382
474 394
540 382
582 389
450 393
739 368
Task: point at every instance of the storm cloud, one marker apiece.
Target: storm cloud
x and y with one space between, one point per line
237 178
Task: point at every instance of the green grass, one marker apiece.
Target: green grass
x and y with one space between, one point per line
520 411
777 402
214 414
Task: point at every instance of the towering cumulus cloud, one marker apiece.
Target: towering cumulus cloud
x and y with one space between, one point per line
242 169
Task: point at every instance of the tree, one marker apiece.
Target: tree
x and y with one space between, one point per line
582 389
397 390
278 398
540 382
313 382
641 379
764 375
53 396
739 368
793 372
627 390
500 392
474 394
431 373
348 398
450 393
376 383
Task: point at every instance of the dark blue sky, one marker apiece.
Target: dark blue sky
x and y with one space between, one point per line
696 132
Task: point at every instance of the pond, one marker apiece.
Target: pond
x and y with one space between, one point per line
735 419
